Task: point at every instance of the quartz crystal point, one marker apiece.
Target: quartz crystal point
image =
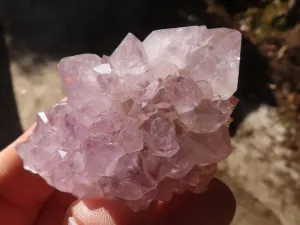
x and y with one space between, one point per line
148 121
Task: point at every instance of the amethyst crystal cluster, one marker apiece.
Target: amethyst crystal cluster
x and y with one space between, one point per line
143 123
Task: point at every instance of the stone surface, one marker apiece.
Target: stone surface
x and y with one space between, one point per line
144 123
262 173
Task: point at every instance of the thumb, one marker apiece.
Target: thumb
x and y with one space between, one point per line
97 212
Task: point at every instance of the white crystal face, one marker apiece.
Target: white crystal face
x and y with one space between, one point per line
212 55
143 123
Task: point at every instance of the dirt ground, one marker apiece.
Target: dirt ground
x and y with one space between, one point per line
263 174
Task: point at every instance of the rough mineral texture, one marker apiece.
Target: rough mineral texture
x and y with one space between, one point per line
143 123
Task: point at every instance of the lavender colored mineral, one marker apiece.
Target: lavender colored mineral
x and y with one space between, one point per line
143 123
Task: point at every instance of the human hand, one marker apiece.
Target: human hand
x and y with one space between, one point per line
26 199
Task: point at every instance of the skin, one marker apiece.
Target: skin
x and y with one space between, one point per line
26 199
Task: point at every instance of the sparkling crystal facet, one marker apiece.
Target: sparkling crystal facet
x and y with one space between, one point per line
143 123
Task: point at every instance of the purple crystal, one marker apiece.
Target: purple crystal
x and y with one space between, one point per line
143 123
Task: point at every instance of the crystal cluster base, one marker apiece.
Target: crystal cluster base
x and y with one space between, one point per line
143 123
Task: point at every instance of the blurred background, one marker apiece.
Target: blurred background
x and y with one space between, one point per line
264 169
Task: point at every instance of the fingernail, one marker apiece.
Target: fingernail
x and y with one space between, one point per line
71 221
104 212
92 215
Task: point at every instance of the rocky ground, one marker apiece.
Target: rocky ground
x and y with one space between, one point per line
263 174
